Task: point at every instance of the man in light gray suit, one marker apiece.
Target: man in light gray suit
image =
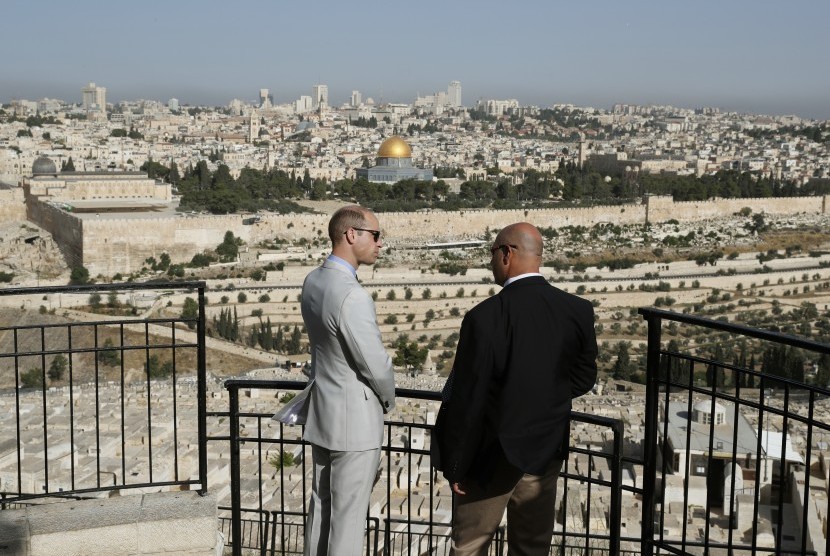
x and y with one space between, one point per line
353 387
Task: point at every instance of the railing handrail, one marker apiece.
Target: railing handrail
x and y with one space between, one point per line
233 386
655 381
66 347
119 286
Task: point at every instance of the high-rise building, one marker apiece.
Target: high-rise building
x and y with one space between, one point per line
265 98
94 99
454 92
303 104
320 96
356 99
173 104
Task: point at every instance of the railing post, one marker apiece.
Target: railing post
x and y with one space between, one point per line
201 381
616 490
650 432
236 495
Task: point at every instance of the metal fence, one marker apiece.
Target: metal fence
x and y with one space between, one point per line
75 417
411 507
732 453
733 458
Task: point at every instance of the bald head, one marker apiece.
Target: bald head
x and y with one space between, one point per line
519 251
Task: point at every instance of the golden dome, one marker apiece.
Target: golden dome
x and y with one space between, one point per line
394 147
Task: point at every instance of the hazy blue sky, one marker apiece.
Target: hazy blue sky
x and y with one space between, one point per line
752 56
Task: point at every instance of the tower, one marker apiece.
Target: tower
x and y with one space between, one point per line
356 99
253 127
454 94
94 99
320 96
583 151
265 99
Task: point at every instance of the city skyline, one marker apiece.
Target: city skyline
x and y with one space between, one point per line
764 57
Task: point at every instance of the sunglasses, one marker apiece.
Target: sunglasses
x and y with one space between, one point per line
375 233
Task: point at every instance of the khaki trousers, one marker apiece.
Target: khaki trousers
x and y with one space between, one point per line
530 501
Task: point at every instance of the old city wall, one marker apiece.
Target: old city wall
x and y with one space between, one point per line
121 245
662 208
406 227
12 205
66 230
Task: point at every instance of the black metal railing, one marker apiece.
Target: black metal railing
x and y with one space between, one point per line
721 468
732 457
412 501
91 400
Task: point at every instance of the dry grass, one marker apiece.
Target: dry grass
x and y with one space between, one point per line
83 336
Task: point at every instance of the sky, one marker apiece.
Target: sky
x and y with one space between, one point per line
753 56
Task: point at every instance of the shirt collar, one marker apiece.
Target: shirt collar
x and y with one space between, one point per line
344 263
519 277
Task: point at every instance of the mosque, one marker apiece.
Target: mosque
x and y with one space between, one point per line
96 191
394 163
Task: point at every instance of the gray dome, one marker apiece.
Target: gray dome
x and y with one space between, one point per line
44 166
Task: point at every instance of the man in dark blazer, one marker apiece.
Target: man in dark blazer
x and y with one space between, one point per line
501 435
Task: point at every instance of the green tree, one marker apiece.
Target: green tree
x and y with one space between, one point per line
293 346
408 354
158 369
95 300
283 459
190 312
109 356
68 166
33 378
623 367
79 276
823 374
57 368
173 176
228 250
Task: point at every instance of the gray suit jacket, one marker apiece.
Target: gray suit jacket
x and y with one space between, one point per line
354 383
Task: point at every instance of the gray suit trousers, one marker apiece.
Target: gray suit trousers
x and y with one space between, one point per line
340 495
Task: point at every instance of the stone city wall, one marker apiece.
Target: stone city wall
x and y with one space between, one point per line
662 208
66 230
121 245
12 205
113 245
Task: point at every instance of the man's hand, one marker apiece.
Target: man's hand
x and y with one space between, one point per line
456 488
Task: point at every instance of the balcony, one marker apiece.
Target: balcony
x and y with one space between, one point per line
712 456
